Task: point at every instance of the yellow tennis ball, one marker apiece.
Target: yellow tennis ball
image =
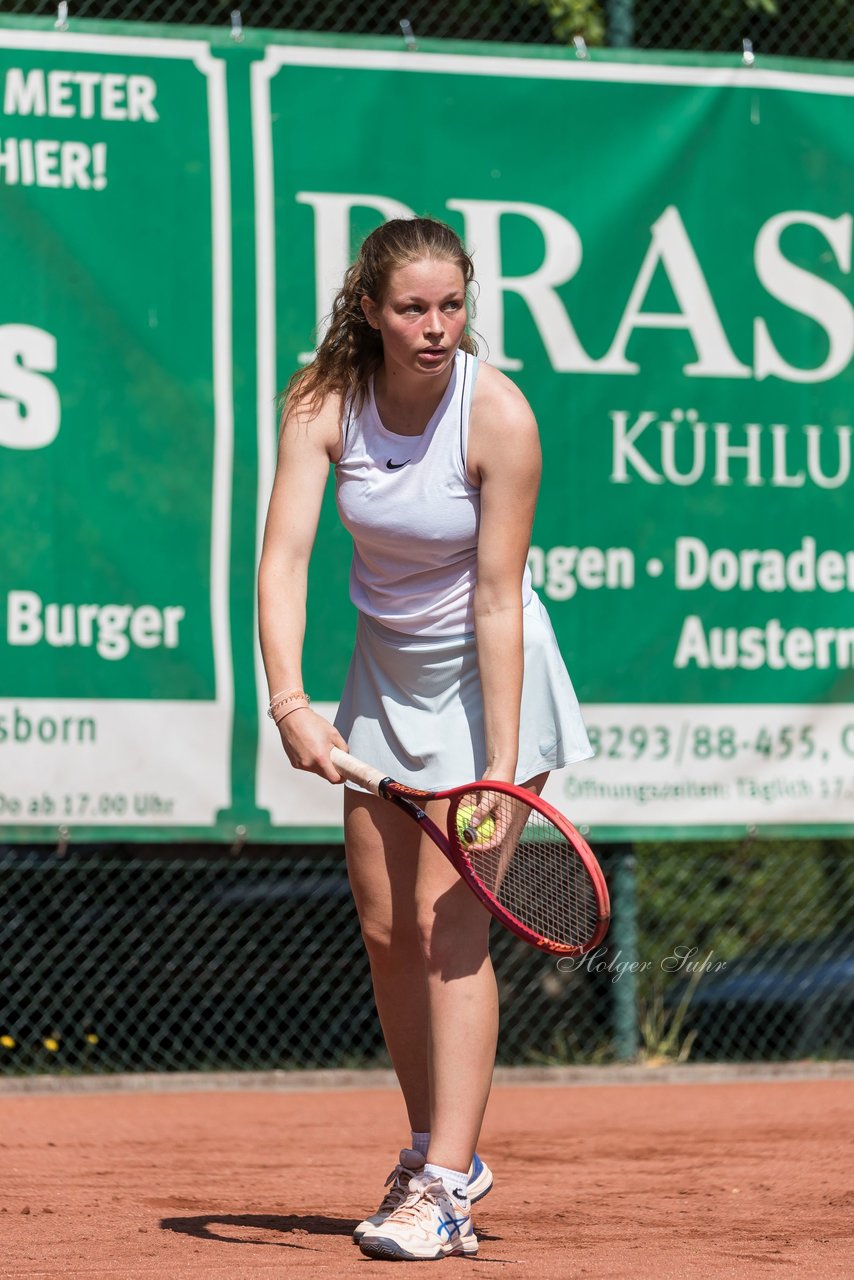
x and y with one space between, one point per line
484 832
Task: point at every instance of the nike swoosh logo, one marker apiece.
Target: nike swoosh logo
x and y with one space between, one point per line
395 466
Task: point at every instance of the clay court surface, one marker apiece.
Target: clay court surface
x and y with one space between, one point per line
624 1181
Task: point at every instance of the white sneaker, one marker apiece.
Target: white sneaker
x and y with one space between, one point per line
411 1162
429 1224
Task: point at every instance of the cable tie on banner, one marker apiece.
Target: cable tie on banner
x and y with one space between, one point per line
236 25
62 844
61 23
581 50
408 35
239 840
748 57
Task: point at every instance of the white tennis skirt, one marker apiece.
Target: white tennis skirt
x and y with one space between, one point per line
412 705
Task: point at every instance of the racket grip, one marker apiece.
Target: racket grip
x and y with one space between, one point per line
357 771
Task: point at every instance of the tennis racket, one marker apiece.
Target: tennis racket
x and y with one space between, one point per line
525 861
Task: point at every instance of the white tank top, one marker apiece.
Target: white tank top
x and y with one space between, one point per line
414 515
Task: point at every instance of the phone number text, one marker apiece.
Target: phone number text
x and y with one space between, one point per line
703 742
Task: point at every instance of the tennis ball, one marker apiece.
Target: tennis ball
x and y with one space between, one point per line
484 832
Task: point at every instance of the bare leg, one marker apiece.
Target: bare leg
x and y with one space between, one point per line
427 940
382 861
463 1003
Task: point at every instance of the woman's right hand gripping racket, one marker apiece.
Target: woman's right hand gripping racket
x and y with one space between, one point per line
522 858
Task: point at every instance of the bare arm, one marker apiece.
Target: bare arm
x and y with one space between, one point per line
307 445
504 458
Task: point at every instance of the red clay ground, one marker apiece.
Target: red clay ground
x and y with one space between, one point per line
608 1182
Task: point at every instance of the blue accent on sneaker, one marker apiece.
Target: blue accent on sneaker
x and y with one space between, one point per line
480 1180
451 1225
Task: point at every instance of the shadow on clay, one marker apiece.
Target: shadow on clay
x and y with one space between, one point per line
259 1228
265 1228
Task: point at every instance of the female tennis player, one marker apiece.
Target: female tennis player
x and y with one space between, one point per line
455 675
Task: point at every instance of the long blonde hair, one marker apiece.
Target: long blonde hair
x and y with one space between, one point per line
351 351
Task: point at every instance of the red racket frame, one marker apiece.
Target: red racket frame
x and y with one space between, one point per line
408 798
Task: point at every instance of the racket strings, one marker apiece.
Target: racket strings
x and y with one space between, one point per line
531 868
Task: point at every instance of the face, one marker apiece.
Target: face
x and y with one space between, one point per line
422 317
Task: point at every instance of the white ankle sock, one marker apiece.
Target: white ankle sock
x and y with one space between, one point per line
456 1183
420 1141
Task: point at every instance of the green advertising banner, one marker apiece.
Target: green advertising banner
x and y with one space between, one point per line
115 433
664 256
663 253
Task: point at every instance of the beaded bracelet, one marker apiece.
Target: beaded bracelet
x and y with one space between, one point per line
284 693
281 699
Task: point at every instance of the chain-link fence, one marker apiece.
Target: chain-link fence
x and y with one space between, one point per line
794 28
157 960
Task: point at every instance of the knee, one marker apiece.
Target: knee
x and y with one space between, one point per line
376 932
387 942
451 945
